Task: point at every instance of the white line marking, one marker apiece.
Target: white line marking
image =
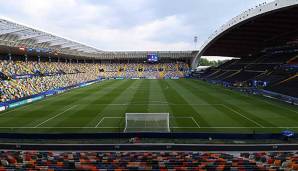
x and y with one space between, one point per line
170 127
175 127
195 122
234 111
99 122
98 114
173 117
55 116
106 118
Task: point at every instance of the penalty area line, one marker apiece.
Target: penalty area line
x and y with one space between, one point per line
103 118
195 122
234 111
55 116
99 122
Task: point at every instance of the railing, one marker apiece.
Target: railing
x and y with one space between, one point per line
253 90
282 97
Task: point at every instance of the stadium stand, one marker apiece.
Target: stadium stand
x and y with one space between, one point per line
23 79
120 161
287 87
141 70
276 67
20 79
273 160
264 47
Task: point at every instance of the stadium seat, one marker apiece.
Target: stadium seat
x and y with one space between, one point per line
31 77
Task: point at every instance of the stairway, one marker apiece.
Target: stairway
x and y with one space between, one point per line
286 80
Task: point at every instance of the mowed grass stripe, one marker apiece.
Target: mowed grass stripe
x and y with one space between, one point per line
114 115
205 95
33 111
219 108
253 121
158 98
258 109
79 94
235 107
40 124
91 108
277 113
173 97
48 110
75 100
164 105
251 99
85 113
141 96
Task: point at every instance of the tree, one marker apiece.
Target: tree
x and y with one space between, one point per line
206 62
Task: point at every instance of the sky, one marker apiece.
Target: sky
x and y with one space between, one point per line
115 25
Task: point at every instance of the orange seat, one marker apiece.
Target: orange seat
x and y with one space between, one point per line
295 166
277 162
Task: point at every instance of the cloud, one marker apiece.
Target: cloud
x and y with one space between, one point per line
146 35
126 24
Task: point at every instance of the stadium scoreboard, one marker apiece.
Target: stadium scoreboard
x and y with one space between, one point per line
152 57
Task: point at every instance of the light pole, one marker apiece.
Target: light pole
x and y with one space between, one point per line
195 40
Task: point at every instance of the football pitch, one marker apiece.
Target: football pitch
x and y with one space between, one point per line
193 105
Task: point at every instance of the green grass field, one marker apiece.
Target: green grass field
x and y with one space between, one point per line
194 106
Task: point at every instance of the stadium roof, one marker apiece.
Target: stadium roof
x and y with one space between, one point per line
17 36
266 25
143 54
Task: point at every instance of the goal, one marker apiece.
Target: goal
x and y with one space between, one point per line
147 122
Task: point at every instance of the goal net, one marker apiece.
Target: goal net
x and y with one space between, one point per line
147 122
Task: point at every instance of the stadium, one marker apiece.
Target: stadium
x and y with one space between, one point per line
68 106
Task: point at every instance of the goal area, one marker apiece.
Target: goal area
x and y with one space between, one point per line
147 122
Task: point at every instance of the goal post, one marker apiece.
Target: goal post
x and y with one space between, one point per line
147 122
